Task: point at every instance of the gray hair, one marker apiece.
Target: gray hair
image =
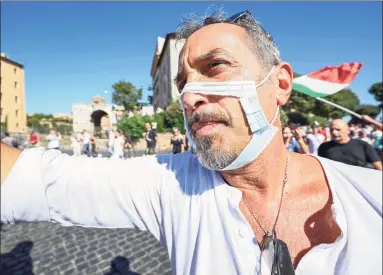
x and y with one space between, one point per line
262 43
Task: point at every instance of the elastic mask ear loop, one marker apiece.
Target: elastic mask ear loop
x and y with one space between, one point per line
267 77
276 115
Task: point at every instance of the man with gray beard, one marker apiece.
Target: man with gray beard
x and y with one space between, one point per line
244 204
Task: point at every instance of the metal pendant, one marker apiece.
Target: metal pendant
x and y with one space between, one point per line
277 255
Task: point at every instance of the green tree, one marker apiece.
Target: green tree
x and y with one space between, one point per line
377 91
174 117
345 98
126 94
368 109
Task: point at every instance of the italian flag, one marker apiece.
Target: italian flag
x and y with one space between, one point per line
327 81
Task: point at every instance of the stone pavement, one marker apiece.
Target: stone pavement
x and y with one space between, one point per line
50 249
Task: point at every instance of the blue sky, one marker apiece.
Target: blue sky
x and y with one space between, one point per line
75 50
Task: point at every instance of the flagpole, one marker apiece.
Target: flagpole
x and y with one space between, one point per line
339 107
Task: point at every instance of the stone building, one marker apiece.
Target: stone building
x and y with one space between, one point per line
95 116
164 70
12 96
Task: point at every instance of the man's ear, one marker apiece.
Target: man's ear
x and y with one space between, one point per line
284 82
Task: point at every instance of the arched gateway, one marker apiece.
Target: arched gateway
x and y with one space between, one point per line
94 117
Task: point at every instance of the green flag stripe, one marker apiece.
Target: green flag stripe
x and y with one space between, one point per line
307 91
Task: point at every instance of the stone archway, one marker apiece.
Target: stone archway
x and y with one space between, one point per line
100 120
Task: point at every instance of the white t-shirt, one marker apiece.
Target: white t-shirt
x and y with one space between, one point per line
111 139
118 146
190 209
86 138
53 141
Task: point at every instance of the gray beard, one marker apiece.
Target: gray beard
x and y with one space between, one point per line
214 159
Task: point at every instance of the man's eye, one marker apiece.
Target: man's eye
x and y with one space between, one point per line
216 63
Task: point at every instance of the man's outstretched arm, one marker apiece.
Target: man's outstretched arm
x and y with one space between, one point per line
47 185
9 156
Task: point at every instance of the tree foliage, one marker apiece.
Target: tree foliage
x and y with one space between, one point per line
304 109
43 123
345 98
126 94
134 127
377 91
174 117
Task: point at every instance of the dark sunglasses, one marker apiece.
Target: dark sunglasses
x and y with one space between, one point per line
247 13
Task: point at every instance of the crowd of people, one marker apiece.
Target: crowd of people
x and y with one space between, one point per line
354 144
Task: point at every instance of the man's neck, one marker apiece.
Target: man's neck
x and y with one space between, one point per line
264 175
344 141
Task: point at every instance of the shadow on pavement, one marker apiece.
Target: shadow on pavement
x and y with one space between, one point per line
18 260
120 266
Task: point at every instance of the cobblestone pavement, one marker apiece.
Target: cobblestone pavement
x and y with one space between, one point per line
50 249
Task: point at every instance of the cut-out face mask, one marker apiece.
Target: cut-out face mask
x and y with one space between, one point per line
246 91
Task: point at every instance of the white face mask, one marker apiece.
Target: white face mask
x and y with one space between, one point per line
246 91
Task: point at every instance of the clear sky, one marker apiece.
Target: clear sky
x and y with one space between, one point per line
75 50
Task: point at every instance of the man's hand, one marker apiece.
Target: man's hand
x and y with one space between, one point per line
370 120
304 148
9 156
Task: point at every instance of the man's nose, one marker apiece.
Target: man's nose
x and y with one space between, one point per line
192 101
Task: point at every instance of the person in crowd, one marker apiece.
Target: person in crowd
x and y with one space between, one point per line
293 140
8 139
86 142
93 146
76 142
33 139
118 145
53 140
315 139
111 139
372 121
344 148
354 131
151 139
243 204
377 141
364 135
177 141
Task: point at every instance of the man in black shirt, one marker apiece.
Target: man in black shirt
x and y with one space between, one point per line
151 139
350 151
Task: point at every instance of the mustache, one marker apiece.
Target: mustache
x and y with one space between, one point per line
211 117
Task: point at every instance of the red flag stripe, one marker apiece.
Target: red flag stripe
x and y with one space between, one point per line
342 74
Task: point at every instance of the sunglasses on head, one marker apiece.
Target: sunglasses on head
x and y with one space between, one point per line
247 13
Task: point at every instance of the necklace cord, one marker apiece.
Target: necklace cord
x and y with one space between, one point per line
279 208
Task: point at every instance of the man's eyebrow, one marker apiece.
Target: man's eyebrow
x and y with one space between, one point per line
213 53
204 57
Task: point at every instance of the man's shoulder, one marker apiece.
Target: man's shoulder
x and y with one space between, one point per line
176 162
367 182
326 145
350 170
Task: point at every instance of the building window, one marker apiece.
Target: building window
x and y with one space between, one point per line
17 113
16 85
15 70
17 125
16 99
1 111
